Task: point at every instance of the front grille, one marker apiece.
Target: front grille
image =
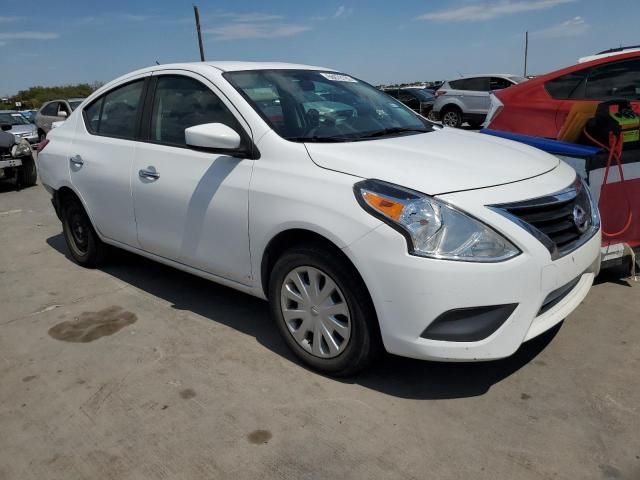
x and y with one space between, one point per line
555 220
562 221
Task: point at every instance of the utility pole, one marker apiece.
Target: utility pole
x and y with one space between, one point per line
197 14
526 51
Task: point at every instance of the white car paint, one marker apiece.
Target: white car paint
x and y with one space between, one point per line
214 215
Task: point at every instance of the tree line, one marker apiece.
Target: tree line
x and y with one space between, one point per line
34 97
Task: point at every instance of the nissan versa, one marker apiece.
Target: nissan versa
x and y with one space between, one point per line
363 224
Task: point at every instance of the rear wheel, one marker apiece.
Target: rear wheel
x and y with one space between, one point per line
323 311
475 124
451 117
83 242
27 174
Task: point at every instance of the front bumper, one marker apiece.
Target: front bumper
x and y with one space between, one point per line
410 293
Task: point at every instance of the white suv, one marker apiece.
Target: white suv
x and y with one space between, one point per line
468 99
364 225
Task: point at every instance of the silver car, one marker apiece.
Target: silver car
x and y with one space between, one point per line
468 100
54 111
20 126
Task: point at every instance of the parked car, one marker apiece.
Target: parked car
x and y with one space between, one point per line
20 126
377 229
29 115
420 100
16 159
468 99
54 111
540 106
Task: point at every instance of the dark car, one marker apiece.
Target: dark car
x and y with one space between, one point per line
420 100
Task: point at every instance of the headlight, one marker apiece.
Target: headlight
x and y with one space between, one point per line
21 148
433 228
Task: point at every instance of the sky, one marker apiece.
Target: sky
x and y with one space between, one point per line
70 41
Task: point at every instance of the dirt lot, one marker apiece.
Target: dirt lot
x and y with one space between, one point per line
174 377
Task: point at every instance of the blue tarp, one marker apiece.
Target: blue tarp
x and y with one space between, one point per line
555 147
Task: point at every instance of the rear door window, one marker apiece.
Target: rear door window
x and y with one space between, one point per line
478 84
116 113
498 83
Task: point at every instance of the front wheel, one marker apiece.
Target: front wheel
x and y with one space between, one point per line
323 311
83 242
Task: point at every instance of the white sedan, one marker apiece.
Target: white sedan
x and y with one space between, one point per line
364 225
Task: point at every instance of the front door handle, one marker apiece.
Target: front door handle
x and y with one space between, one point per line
77 160
149 174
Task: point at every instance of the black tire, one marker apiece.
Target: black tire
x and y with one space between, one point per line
432 116
27 174
475 125
364 343
451 117
84 245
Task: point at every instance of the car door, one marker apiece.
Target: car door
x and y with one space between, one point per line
191 206
476 96
102 156
47 115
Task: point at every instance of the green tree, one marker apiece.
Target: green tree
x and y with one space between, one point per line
34 97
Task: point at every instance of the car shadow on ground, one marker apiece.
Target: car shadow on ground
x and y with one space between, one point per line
392 375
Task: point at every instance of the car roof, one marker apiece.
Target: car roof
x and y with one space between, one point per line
504 75
74 99
9 111
229 66
610 53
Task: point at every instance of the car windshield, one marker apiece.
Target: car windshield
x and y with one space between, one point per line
317 106
424 95
13 119
74 103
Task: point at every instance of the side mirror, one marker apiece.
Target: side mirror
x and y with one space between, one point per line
215 136
6 127
63 114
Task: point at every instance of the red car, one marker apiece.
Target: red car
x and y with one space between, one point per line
540 106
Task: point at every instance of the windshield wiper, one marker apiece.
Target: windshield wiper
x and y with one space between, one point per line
391 131
316 139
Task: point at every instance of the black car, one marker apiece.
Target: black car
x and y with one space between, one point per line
420 100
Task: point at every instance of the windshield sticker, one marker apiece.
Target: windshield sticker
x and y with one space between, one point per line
337 77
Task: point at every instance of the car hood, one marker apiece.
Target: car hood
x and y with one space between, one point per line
15 129
443 161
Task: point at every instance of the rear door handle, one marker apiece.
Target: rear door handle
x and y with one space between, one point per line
149 174
77 160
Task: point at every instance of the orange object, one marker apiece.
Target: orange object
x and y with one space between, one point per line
384 205
577 119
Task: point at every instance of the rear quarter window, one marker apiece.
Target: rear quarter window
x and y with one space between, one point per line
566 86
